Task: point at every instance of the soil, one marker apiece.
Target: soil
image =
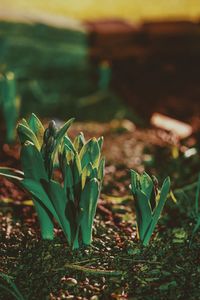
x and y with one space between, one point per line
116 265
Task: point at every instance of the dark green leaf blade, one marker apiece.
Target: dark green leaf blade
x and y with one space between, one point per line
26 134
60 203
37 127
143 213
36 189
32 162
101 169
90 153
62 131
146 184
134 181
88 204
158 210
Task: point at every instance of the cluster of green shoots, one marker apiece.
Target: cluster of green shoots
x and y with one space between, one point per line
64 179
71 202
149 203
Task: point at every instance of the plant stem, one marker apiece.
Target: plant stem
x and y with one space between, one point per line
91 271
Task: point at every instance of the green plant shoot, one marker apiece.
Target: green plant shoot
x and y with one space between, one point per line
83 170
149 203
72 202
9 286
196 214
10 103
38 153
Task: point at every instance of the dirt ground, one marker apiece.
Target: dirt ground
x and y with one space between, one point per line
116 266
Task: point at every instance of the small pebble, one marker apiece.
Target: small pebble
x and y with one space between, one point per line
71 281
95 297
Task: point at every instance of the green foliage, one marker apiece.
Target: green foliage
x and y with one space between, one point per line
9 286
41 71
196 213
149 202
82 169
45 141
72 202
9 103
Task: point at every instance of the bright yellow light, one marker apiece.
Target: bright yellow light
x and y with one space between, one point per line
91 9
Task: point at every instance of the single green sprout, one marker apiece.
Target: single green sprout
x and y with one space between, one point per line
10 103
196 213
149 203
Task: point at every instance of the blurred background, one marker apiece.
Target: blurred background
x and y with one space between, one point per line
100 60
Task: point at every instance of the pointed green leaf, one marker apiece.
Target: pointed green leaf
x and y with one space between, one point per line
32 162
84 177
134 181
24 122
69 143
37 127
85 174
158 210
143 213
68 154
146 184
162 198
62 131
79 141
26 134
101 169
90 153
100 142
59 136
